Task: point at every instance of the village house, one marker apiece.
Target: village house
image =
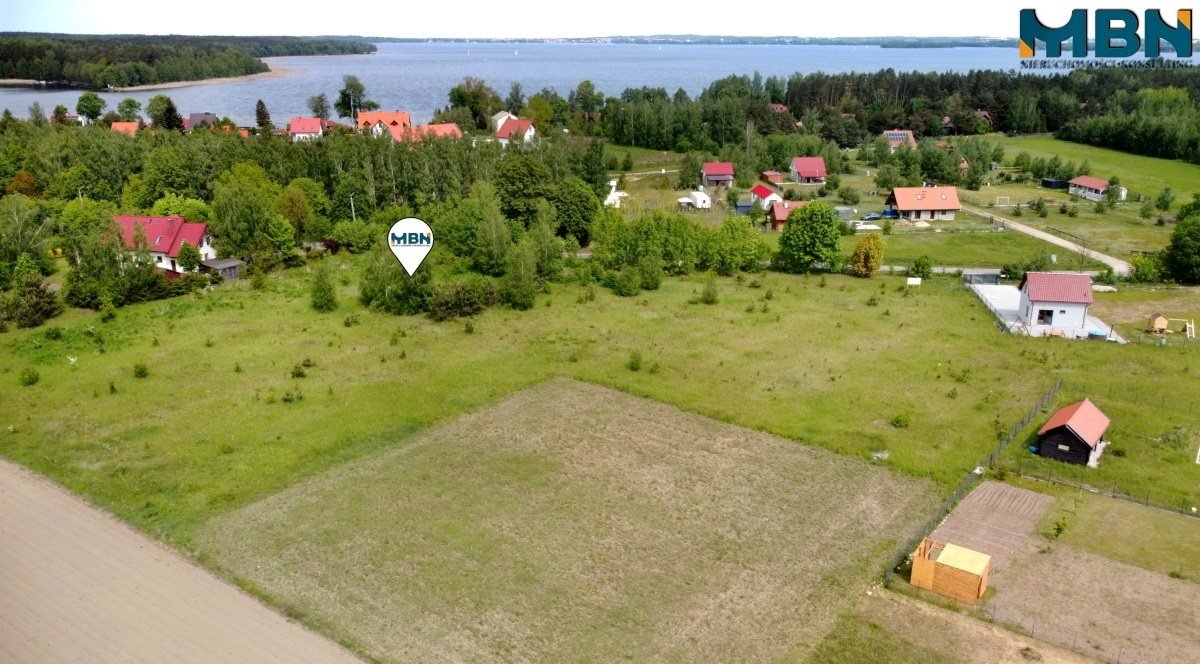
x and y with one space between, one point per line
164 238
1074 434
774 177
777 216
808 170
499 118
130 128
378 122
1092 188
198 120
779 108
305 129
1054 301
515 128
402 134
764 196
899 137
916 203
717 174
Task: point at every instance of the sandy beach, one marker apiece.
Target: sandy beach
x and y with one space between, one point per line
274 71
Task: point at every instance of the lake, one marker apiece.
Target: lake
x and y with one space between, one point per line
417 76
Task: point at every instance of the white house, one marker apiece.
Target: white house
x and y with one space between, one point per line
696 200
305 129
164 238
1055 302
914 203
1093 189
517 128
764 196
808 170
499 118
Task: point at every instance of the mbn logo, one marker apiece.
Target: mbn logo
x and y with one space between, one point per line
1116 34
411 239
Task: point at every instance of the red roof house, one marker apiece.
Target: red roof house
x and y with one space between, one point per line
764 195
915 203
808 170
716 173
1055 301
379 121
1073 433
441 130
777 216
1092 188
779 108
516 127
306 129
164 237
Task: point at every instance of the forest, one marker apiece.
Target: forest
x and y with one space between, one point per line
100 61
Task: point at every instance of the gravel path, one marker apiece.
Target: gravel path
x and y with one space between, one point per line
76 585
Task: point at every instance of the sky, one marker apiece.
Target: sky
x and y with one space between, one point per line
545 18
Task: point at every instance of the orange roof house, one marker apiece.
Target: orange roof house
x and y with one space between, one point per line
915 203
777 216
1074 433
130 128
899 137
441 130
377 122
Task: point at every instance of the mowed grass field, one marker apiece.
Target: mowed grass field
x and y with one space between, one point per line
572 522
831 361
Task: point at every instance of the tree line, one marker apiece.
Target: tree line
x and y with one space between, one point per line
100 61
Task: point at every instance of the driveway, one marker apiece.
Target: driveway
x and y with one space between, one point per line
1120 268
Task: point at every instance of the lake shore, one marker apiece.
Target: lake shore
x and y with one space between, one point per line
273 71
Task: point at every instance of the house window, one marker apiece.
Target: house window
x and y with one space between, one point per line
1045 317
1062 311
1064 448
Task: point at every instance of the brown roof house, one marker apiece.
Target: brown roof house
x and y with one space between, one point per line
914 203
1075 434
899 137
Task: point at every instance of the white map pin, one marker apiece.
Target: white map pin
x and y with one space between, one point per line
410 240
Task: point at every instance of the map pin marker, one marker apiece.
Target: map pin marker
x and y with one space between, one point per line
410 240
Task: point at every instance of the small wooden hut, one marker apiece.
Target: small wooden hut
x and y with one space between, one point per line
1158 324
950 570
1074 433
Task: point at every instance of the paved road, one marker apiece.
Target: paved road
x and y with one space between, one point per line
1120 267
76 585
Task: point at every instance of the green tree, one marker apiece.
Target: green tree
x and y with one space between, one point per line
848 195
1165 198
627 162
241 211
59 115
352 98
163 113
37 116
1182 255
130 110
493 241
867 256
515 100
521 181
318 105
261 117
520 283
386 287
736 245
549 249
888 178
575 207
31 304
811 237
474 95
689 172
23 231
293 205
189 257
1112 195
592 169
922 267
191 209
90 106
324 297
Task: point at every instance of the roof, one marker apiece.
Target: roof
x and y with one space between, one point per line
442 130
1057 287
714 168
163 234
770 173
895 137
130 128
809 167
763 191
1090 182
305 126
924 198
1084 420
968 560
388 118
221 263
781 210
514 126
779 108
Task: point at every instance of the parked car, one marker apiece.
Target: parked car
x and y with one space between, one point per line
871 217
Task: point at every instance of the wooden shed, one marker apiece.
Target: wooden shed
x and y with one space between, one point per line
1158 324
950 570
1073 433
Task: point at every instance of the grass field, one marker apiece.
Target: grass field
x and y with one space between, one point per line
572 522
831 361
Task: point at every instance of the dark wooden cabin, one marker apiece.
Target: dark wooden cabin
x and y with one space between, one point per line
1073 432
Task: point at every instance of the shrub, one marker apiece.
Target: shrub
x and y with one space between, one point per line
298 371
867 256
922 267
469 328
635 361
140 370
324 297
872 301
351 320
462 297
625 282
710 295
650 273
29 376
53 333
258 279
901 421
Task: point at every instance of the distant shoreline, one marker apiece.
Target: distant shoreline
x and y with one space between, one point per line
273 71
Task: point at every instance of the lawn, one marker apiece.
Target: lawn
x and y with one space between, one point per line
968 249
828 360
572 522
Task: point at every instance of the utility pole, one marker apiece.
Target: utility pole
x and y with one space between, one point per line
352 215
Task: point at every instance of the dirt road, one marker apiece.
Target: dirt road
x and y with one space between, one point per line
76 585
1120 268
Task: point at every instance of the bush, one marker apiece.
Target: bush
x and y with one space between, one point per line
625 282
298 371
848 195
462 297
901 421
53 333
709 295
635 361
867 256
1146 269
650 273
356 237
324 297
29 376
140 370
351 320
258 279
922 267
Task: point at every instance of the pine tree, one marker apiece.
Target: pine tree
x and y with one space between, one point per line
324 297
261 116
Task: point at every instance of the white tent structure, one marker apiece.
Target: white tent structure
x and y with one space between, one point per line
697 200
613 199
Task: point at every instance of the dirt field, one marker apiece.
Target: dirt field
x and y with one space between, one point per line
76 585
996 519
569 523
1108 609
